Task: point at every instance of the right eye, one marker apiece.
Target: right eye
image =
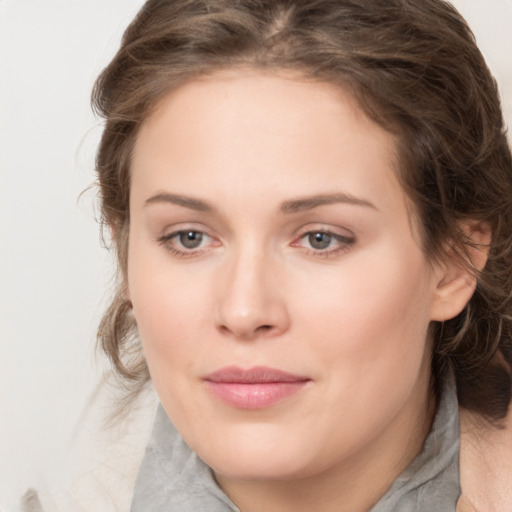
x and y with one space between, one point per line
186 242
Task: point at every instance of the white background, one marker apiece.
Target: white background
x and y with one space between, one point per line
54 275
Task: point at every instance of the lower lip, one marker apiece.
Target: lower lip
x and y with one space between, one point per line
258 395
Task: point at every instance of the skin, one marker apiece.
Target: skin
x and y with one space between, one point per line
486 464
353 317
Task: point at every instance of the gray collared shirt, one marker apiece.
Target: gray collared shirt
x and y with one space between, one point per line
172 478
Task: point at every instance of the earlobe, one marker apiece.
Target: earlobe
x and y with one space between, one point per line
456 276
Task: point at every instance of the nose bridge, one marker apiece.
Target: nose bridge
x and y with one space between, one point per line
251 303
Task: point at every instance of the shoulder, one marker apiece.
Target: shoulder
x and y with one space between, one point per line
485 464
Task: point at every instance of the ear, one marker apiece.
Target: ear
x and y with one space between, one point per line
455 282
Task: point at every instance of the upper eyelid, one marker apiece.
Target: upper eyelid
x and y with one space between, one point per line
327 232
319 228
169 231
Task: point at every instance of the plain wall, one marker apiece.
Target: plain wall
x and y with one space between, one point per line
54 275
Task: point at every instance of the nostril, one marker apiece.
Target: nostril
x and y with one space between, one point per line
242 333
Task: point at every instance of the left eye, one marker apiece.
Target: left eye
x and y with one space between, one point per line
324 241
319 240
190 239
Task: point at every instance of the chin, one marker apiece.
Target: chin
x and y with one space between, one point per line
260 457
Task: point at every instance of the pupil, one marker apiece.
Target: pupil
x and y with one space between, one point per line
320 240
191 239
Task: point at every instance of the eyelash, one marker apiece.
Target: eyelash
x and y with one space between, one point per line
344 243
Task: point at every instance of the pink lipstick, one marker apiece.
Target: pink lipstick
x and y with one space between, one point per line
254 388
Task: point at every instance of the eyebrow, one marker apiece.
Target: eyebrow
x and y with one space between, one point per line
180 200
310 202
287 207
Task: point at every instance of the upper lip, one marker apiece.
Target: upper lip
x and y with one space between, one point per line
257 374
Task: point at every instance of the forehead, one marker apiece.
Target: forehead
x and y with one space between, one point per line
248 132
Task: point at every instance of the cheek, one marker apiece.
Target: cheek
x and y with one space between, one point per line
373 312
165 316
170 322
367 330
168 307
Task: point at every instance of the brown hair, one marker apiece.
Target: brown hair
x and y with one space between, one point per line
414 67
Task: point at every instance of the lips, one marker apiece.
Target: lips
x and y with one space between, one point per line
255 388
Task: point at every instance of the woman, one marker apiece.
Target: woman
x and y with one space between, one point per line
311 203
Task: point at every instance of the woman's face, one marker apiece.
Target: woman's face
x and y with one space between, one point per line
277 279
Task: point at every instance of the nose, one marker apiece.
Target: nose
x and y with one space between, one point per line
252 301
